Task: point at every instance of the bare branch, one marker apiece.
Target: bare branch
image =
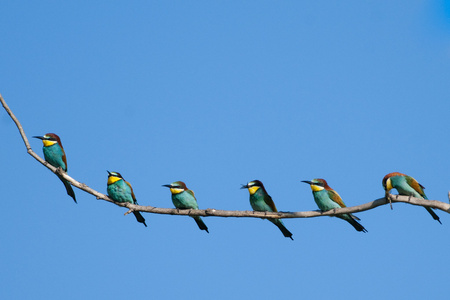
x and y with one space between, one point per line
19 126
211 212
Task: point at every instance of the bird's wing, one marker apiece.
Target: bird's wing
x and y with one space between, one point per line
132 193
270 202
192 193
415 185
336 198
64 158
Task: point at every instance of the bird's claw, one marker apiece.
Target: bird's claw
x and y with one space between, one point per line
388 198
59 171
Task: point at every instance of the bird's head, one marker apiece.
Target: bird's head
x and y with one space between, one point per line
49 139
176 187
317 184
387 180
113 177
253 186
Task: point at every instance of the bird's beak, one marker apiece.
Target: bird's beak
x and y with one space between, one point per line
109 173
39 137
167 185
308 182
244 186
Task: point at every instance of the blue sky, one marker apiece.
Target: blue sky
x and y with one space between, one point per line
218 93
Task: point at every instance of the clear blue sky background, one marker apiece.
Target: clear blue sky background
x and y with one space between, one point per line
218 93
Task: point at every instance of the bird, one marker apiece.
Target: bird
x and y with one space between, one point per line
407 186
184 198
260 200
54 154
327 199
121 191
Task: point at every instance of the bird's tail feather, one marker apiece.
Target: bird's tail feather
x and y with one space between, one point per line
139 217
355 217
433 214
69 188
201 224
356 225
282 228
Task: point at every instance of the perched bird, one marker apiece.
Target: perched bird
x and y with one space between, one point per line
121 191
184 198
260 200
54 154
407 186
326 199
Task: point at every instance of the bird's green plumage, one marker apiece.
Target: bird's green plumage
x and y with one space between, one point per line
56 156
408 186
327 199
261 201
121 191
186 200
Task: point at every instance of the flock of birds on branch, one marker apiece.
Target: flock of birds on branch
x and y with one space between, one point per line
183 198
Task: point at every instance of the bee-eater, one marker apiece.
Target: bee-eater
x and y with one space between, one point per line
54 154
121 191
260 200
407 186
326 199
184 198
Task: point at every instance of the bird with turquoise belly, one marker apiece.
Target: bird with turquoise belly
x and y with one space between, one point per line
327 199
260 200
406 186
121 191
54 154
184 198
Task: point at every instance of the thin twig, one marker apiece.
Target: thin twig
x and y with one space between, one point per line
19 126
211 212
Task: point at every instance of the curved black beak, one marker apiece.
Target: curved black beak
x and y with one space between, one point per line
39 137
244 186
109 173
308 182
167 185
